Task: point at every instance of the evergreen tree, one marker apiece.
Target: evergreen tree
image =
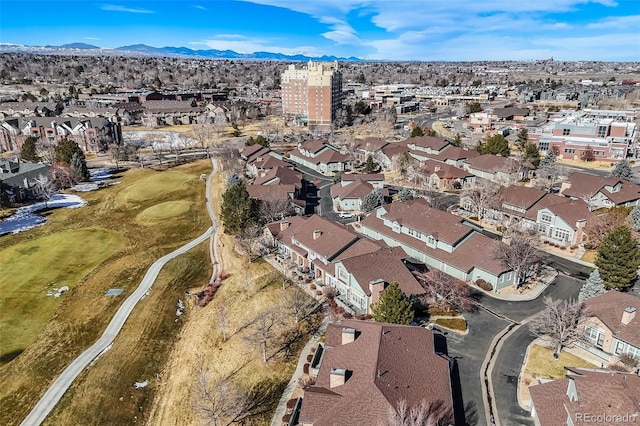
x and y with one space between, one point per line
432 133
417 132
372 200
238 210
405 194
233 179
532 154
618 259
369 165
496 145
258 140
623 170
634 216
28 152
593 286
5 202
522 138
65 149
457 140
393 306
79 166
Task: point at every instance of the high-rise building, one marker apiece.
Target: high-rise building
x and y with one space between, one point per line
313 94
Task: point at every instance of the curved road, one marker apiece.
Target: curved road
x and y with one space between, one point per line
63 382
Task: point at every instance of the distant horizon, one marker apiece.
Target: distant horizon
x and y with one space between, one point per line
371 30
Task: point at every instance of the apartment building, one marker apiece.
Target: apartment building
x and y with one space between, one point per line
609 134
312 95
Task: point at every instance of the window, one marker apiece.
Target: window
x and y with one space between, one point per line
569 151
560 234
431 241
602 131
545 217
594 335
543 146
619 348
634 352
566 132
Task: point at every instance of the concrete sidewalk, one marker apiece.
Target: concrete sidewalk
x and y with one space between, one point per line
293 383
547 276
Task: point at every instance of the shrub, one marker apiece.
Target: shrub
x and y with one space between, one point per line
312 286
329 293
452 323
563 247
309 357
484 285
629 360
319 292
305 368
224 275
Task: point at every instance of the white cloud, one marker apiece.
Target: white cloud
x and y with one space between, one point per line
92 38
198 6
118 8
243 44
631 21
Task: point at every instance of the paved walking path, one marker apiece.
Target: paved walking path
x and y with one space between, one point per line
66 378
293 383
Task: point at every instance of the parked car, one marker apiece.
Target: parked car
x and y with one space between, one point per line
346 214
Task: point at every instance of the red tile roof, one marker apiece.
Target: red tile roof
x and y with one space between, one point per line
385 364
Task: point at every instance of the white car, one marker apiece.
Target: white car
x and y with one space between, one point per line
346 214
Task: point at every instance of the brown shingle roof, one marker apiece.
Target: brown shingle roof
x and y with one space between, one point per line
454 153
521 196
358 189
608 308
598 392
444 170
314 146
280 176
492 163
385 364
333 238
385 264
248 151
436 144
586 185
346 177
371 144
476 250
418 215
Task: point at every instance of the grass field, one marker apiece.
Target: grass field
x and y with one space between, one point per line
541 363
164 211
82 314
62 259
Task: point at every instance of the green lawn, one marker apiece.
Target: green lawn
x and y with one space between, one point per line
33 267
164 211
157 185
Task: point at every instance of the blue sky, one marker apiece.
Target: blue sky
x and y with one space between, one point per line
605 30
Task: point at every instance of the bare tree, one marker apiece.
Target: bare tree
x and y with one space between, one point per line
223 318
274 208
62 176
519 254
561 324
203 131
481 195
426 414
262 331
218 401
299 304
248 282
44 188
597 228
444 291
249 241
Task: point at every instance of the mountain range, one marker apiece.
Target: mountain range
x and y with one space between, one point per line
85 49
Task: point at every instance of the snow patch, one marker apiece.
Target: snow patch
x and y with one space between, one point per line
180 309
26 218
139 385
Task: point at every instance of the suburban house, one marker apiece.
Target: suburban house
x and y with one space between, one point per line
280 183
497 169
600 191
170 113
613 328
587 396
511 114
438 239
556 219
369 369
315 247
347 195
360 280
260 159
445 176
454 155
364 148
321 157
17 178
425 146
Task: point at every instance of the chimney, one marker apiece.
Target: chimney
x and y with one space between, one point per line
348 335
376 287
284 225
316 234
628 315
337 377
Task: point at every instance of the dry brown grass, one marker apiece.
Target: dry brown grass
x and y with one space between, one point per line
84 312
